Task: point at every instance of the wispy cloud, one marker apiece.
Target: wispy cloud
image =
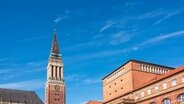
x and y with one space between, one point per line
31 39
24 85
35 66
82 79
126 5
165 14
107 25
9 72
62 17
3 72
110 53
163 37
67 11
166 17
91 81
118 38
74 77
3 59
130 4
152 14
98 54
157 39
80 45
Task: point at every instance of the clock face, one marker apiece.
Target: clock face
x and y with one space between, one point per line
57 88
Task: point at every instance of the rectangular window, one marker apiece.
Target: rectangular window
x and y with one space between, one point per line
164 85
149 91
56 72
141 67
156 88
52 71
142 94
173 82
59 72
182 78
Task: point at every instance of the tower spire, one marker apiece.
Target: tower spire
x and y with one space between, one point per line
55 52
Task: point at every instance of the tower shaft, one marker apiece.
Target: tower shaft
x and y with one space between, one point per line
55 86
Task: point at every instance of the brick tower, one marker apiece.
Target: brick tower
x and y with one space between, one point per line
55 86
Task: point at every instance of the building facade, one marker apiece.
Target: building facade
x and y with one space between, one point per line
55 85
138 82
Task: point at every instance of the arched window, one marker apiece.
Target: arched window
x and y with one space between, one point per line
166 101
181 98
153 103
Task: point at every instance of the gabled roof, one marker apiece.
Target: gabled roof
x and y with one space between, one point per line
20 96
133 60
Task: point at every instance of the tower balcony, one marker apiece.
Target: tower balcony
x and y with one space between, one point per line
56 80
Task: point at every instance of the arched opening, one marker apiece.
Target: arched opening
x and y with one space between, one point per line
166 101
181 98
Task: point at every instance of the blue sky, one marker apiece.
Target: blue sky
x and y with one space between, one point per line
95 37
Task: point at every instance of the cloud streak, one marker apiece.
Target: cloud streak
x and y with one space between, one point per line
74 77
24 85
34 38
110 53
7 73
108 25
96 55
166 17
119 38
91 81
59 19
65 16
152 14
3 72
162 37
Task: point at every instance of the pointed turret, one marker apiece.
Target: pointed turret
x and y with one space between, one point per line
55 47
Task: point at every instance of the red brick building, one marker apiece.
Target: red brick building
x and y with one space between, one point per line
55 86
138 82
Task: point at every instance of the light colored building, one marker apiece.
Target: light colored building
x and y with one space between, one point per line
138 82
55 85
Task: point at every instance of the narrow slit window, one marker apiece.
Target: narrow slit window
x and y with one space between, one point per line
59 72
52 71
56 71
